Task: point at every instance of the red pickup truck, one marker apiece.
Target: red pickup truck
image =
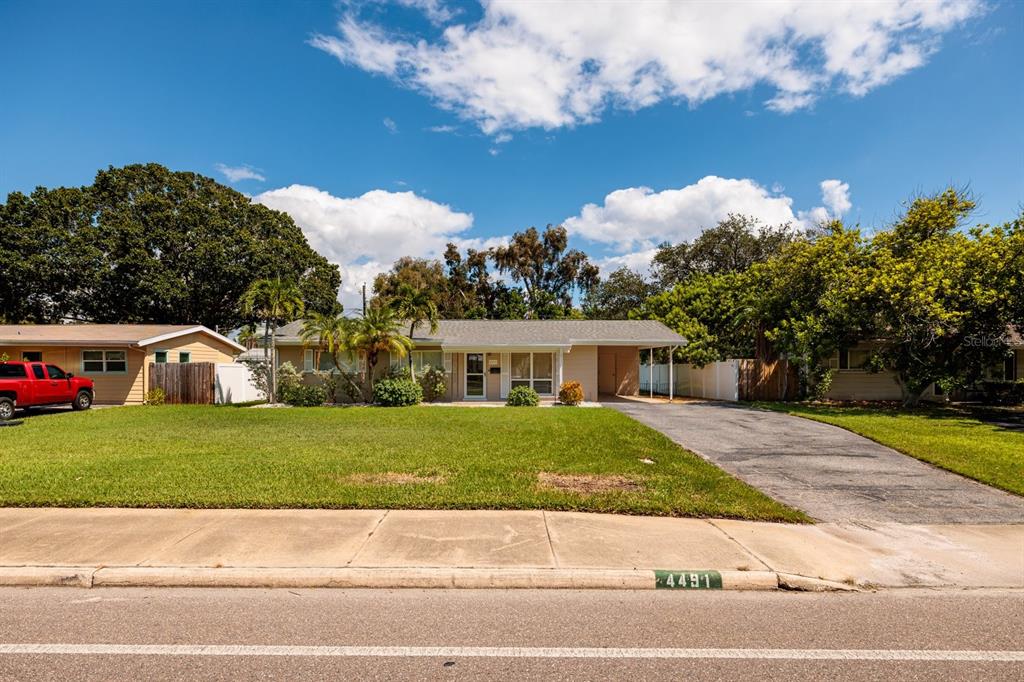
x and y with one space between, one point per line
34 384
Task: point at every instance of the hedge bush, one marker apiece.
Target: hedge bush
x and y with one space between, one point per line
302 395
570 393
432 379
522 396
1003 391
397 392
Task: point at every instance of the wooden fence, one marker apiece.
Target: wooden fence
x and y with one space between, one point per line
187 382
760 380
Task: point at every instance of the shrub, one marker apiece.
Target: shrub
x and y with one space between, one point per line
522 396
432 379
570 393
397 392
288 377
1003 391
155 396
302 395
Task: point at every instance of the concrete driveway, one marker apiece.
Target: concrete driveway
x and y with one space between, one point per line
830 473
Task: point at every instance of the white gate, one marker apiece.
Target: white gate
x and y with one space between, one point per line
234 384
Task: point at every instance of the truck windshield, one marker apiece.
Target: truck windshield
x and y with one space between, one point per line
12 371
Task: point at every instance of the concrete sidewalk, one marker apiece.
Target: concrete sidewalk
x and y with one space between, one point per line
488 548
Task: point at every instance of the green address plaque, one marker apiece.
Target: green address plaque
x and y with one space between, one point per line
687 580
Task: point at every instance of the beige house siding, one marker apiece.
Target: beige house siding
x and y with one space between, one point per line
621 365
203 348
111 389
128 388
580 364
857 384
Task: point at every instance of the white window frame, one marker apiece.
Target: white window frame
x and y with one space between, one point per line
182 353
308 357
105 360
512 381
167 357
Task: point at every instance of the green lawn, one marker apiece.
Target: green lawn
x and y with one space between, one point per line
951 439
414 458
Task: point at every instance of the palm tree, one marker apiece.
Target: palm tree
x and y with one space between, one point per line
273 301
376 332
416 306
247 336
327 333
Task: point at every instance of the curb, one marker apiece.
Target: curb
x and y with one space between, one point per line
390 578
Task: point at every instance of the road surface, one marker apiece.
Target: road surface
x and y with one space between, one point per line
193 634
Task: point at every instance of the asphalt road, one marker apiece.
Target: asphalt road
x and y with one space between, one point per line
390 634
828 472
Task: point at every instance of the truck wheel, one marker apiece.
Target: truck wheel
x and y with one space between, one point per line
83 401
6 409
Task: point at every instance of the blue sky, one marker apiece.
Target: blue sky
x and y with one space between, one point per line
382 134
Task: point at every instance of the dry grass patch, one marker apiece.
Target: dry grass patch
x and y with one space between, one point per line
391 478
589 484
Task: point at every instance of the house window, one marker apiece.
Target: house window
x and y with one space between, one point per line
160 357
184 356
326 364
534 370
421 359
853 359
104 362
32 356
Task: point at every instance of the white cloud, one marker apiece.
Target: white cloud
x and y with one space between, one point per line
835 194
237 173
390 125
638 261
640 218
553 64
502 138
364 235
443 129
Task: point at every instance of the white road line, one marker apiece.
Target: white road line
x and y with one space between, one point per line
506 652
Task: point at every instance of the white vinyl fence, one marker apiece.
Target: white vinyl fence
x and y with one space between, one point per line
717 381
234 384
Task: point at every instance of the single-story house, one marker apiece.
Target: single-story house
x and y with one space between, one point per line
484 359
850 381
115 356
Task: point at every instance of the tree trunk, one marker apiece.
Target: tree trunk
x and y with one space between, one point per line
266 359
412 370
273 363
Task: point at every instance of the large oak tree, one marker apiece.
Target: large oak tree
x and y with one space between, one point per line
146 244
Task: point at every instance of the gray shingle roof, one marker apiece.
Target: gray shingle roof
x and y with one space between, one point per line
531 333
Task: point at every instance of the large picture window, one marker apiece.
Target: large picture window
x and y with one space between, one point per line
104 362
535 370
348 363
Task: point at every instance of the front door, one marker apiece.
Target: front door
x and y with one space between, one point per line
476 380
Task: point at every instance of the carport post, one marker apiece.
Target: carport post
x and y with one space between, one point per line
650 374
671 384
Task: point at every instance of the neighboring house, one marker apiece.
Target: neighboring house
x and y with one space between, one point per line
850 381
483 359
115 356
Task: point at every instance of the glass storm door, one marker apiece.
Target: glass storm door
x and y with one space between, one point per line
475 376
